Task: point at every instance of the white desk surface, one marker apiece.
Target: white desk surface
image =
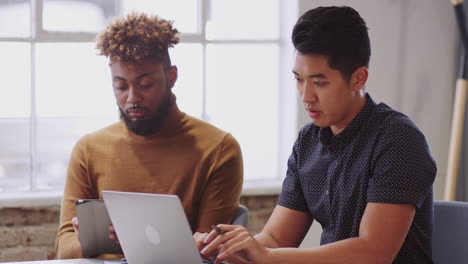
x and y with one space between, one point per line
63 261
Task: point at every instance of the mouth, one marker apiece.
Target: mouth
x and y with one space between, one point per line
136 114
313 114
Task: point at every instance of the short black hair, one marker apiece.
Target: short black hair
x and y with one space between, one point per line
336 32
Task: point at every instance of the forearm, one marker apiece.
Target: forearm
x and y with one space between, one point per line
67 246
353 250
266 240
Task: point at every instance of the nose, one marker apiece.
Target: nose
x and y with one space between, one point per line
134 96
308 94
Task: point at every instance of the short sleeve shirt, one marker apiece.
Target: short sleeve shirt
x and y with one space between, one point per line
380 157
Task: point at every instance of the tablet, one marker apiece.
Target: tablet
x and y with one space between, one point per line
94 221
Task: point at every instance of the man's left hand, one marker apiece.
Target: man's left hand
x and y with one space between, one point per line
236 245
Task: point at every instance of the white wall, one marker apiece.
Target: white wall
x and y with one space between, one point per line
413 68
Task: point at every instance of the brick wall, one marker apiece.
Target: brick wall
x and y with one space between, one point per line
260 209
28 233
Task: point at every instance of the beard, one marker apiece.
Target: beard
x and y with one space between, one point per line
151 125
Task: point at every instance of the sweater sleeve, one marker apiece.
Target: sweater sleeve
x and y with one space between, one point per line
77 186
221 196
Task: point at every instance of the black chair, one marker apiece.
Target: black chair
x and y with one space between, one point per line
450 233
242 216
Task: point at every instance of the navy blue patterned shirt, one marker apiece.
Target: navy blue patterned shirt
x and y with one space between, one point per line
380 157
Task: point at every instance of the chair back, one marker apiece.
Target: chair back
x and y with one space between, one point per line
242 216
450 232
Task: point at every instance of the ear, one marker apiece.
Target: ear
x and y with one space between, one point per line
359 78
172 74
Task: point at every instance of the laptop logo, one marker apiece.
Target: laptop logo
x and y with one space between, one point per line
152 234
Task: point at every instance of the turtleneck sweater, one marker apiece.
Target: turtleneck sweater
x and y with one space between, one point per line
190 158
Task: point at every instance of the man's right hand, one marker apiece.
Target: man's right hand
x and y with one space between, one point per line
76 227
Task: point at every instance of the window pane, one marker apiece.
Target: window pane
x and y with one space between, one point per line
72 80
76 15
16 63
14 154
14 18
188 88
242 98
14 112
74 97
56 137
243 19
184 13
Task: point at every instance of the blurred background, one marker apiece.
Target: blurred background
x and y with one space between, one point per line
55 88
234 59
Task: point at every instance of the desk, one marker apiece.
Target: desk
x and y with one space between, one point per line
62 261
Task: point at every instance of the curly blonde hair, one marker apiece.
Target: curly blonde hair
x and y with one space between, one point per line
136 37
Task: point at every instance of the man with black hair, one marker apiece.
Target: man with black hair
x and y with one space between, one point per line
360 169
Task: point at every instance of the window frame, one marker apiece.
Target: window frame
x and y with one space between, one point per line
287 101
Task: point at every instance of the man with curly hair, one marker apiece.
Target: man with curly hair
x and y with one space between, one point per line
155 148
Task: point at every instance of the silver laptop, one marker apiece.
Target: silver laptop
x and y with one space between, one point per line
152 228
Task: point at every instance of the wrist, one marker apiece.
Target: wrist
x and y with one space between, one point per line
268 256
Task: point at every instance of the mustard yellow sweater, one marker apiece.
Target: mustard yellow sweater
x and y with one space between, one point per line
187 157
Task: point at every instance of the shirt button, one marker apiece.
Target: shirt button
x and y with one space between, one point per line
326 192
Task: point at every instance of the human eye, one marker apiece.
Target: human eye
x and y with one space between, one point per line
319 83
120 87
298 80
146 85
147 82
